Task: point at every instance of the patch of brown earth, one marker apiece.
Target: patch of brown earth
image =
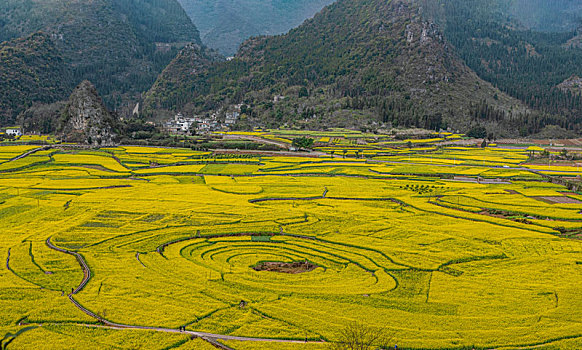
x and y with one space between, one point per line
283 267
557 200
487 213
565 142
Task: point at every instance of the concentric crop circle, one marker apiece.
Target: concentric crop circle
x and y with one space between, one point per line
340 270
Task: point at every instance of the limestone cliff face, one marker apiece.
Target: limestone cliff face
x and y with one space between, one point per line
86 120
572 84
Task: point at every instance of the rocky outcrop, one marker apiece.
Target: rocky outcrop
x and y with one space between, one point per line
86 120
572 84
575 42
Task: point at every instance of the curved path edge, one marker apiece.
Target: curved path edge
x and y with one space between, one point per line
209 337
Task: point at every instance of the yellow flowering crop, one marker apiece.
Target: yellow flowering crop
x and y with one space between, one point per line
440 255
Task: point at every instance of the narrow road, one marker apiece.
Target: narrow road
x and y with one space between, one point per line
24 155
311 154
138 259
8 261
202 335
84 266
258 139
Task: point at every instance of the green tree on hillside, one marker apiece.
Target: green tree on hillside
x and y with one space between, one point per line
303 142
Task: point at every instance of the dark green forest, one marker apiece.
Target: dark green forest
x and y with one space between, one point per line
526 64
120 45
31 70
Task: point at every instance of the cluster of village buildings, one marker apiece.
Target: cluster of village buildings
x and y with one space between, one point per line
202 124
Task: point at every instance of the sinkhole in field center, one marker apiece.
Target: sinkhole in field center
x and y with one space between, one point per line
285 267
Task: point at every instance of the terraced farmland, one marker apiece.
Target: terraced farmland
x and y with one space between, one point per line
125 247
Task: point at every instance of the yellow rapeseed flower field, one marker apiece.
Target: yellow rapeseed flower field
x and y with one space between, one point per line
102 249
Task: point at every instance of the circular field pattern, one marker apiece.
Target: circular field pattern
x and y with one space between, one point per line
339 269
287 250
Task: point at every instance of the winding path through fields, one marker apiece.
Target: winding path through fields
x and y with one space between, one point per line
209 337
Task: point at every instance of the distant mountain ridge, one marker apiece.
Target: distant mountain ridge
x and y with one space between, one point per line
535 15
225 24
547 15
355 63
434 64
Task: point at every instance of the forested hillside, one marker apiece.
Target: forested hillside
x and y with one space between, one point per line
170 89
225 24
120 45
356 63
526 64
31 69
509 66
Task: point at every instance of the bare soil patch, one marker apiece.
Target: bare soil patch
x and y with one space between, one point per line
567 142
283 267
487 213
558 200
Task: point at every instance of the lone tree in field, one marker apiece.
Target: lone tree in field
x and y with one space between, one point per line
358 336
303 143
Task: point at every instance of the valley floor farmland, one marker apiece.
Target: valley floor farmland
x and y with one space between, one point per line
445 247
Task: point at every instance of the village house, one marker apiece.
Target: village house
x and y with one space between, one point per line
278 98
13 131
213 122
179 124
231 118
